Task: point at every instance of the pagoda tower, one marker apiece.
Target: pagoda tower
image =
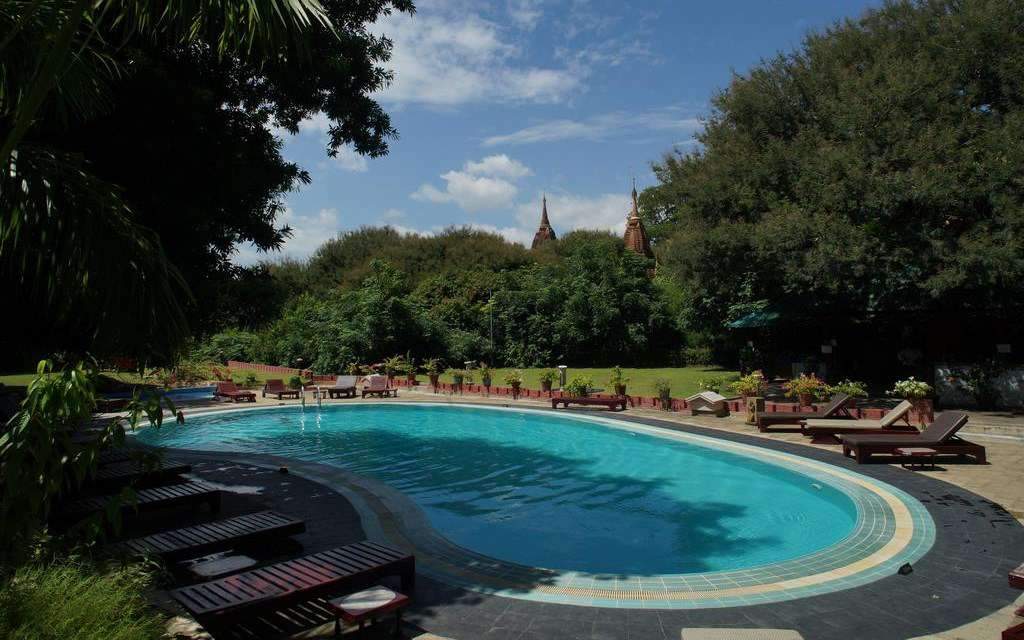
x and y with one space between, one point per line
544 232
636 238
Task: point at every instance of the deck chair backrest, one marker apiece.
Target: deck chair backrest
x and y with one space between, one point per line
945 426
837 402
345 382
227 387
376 382
274 384
896 413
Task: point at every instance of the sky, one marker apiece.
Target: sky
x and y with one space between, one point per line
498 103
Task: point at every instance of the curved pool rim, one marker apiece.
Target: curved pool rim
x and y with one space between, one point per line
892 528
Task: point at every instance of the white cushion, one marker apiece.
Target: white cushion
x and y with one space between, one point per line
740 634
363 601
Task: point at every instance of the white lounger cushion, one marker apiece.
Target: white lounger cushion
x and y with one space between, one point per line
886 421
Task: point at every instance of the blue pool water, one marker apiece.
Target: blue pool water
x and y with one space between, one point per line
553 491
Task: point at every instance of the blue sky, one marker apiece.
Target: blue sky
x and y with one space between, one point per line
499 102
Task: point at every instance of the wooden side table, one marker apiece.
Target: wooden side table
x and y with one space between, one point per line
919 456
357 608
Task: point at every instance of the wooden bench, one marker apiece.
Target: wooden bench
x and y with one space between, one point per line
192 492
213 536
344 569
128 471
611 402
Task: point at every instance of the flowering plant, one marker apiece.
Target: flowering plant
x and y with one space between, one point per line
806 385
911 389
852 388
749 385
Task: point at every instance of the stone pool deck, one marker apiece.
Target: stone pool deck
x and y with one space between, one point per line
465 614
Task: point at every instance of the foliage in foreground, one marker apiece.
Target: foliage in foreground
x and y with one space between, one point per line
39 460
70 599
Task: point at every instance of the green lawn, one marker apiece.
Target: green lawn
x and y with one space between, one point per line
641 381
17 379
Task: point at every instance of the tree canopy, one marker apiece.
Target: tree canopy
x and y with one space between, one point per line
874 172
154 154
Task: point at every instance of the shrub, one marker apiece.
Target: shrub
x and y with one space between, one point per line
697 356
485 374
461 376
231 344
980 381
852 388
749 385
911 389
710 384
549 375
250 379
73 600
663 386
295 382
617 378
514 378
579 386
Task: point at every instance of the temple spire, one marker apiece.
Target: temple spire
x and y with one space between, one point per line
636 238
545 232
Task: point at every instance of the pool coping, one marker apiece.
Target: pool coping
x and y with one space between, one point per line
898 531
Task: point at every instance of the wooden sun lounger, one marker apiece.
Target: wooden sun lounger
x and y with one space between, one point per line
837 407
213 536
184 493
230 391
344 386
939 435
127 471
889 423
378 386
613 403
349 568
276 388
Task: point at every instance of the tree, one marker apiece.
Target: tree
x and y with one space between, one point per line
871 174
154 144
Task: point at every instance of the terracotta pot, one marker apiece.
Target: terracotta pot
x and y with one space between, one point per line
457 383
620 389
922 410
545 385
805 399
666 401
515 390
410 378
433 379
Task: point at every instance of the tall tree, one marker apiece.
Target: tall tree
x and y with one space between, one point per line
873 173
151 142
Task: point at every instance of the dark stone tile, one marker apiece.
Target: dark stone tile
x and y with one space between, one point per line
608 631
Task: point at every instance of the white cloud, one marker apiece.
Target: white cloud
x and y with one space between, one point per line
498 165
458 58
348 160
483 185
525 13
309 231
600 127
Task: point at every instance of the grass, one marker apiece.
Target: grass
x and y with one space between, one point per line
683 380
73 600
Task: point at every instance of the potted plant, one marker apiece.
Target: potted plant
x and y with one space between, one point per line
485 376
410 372
749 385
579 387
355 369
806 388
917 392
664 389
460 377
514 379
392 366
433 368
852 388
547 378
617 381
